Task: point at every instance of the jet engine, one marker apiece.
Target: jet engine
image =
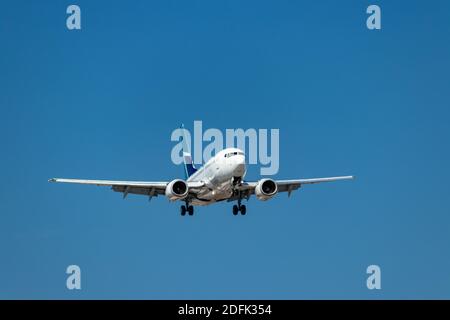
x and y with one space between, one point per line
266 189
176 190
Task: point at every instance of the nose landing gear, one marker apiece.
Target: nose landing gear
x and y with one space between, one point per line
236 181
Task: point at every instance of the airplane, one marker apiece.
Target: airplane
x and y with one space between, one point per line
220 179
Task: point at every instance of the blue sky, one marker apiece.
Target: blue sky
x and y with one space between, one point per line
102 102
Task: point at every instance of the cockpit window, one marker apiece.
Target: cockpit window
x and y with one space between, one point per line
235 153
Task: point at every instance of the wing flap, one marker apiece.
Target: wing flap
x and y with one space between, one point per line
311 181
248 188
147 188
159 184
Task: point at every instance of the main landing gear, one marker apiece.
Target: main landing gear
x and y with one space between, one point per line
187 208
242 208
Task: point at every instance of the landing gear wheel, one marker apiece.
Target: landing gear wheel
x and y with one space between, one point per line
190 210
183 210
243 209
235 210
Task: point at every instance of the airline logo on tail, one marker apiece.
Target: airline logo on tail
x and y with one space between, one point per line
188 165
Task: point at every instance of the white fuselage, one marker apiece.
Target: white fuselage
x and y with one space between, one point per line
218 175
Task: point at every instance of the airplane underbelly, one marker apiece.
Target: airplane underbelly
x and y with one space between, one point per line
216 189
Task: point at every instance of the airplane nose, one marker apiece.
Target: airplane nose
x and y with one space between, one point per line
239 167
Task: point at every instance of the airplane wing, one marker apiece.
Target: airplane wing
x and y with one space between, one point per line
149 189
248 188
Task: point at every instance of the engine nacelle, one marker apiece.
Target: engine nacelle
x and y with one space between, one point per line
266 189
176 190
